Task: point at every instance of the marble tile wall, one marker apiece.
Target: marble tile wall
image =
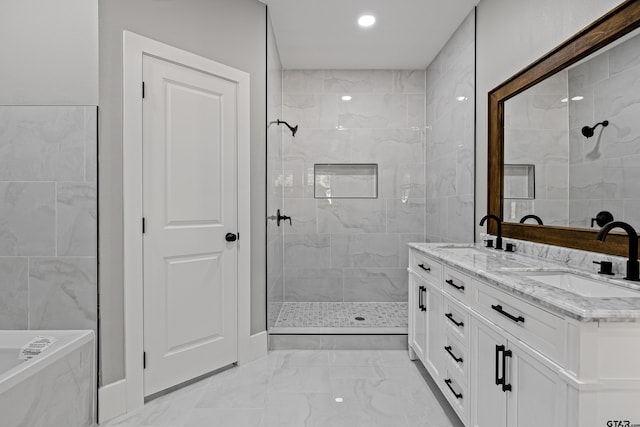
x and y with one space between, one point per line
352 249
48 217
536 133
275 267
605 169
60 394
450 139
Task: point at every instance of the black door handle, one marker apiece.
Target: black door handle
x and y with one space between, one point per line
450 317
230 237
499 309
458 287
457 395
499 349
457 359
420 297
423 290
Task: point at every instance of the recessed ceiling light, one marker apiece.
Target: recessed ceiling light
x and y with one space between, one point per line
461 98
339 399
366 20
577 98
346 98
564 100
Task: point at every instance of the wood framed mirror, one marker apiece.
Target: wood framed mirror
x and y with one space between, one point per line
606 30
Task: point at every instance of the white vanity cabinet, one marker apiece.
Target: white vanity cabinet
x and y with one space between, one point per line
503 360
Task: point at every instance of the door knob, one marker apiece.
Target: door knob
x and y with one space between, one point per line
230 237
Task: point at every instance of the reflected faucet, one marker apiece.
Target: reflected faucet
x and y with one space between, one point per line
499 222
633 267
531 216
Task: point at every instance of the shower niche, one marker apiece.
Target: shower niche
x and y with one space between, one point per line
345 181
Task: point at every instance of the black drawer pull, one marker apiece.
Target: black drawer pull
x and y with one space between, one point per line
457 395
450 317
420 297
424 268
422 290
499 309
458 287
457 359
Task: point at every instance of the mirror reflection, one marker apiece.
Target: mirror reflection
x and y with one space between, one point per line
572 143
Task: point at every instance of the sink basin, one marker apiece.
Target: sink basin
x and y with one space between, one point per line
579 285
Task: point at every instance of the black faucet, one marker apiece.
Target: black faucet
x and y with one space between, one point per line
633 268
499 222
531 216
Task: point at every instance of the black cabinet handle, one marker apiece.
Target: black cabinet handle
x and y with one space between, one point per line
424 268
499 349
499 309
450 317
457 395
420 297
505 387
457 359
423 290
458 287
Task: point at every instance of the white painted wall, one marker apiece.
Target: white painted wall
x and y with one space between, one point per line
228 31
511 34
49 52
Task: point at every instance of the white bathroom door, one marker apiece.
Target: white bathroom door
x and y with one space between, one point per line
189 204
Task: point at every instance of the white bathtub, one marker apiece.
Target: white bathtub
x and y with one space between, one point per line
55 388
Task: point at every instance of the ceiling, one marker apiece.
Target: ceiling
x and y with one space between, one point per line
324 34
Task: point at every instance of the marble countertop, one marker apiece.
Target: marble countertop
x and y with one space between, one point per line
500 269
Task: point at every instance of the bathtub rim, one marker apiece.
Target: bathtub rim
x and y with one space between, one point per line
68 341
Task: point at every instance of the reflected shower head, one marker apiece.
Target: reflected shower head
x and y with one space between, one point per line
588 131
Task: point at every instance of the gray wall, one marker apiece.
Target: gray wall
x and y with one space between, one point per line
275 272
49 52
450 114
510 35
352 249
228 31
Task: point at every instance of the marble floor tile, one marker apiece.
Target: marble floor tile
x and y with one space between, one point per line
331 388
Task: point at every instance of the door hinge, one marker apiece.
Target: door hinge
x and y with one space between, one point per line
144 360
143 90
238 236
144 225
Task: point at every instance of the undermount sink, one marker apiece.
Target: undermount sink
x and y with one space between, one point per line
578 284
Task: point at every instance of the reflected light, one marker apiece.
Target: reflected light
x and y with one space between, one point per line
346 98
339 399
366 20
577 98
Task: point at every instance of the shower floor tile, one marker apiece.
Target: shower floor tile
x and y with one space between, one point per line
343 315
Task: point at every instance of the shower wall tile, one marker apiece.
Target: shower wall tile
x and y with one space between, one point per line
348 82
409 81
624 56
77 219
27 218
62 293
375 285
406 215
374 111
313 284
364 250
303 216
42 143
14 293
310 111
48 211
450 141
302 81
404 249
351 216
307 251
383 123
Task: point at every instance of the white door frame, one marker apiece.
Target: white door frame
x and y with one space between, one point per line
250 346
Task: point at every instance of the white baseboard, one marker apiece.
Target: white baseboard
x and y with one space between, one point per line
257 348
112 401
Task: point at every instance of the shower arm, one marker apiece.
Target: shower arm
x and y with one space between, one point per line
279 122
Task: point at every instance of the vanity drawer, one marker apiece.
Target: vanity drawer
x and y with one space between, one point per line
456 391
455 356
426 268
455 319
456 284
532 325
